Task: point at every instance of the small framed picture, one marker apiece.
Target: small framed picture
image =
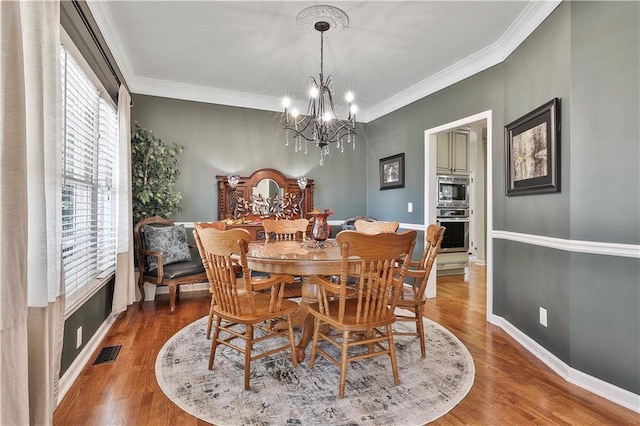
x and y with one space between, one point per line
533 151
392 172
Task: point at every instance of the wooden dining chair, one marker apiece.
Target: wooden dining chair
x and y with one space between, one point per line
285 229
239 302
218 226
376 227
412 296
341 319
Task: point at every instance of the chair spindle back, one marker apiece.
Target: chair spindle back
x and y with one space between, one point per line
379 275
217 249
285 229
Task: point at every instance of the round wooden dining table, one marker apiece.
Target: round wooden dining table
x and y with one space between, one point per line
302 259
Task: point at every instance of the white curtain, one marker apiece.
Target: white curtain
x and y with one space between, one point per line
125 291
31 293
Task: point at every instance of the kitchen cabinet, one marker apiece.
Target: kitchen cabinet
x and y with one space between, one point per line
453 153
451 263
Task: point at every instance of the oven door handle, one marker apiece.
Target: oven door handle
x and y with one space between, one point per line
452 219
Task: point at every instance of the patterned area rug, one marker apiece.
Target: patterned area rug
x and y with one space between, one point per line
283 395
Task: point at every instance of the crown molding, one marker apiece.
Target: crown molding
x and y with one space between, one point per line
531 17
213 95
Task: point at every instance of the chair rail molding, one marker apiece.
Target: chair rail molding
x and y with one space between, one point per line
574 246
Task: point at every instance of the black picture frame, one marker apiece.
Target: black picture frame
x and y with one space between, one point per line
532 151
392 172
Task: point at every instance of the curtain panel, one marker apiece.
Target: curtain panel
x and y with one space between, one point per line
31 294
124 292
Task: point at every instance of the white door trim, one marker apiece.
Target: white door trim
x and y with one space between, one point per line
430 192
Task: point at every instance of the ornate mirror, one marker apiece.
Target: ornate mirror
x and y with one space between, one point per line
267 198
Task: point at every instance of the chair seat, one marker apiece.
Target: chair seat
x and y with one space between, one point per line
182 269
349 321
261 302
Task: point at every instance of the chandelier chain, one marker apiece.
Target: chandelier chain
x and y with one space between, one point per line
321 56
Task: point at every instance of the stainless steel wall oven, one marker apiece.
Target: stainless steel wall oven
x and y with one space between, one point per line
456 236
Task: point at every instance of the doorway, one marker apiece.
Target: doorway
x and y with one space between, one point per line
430 151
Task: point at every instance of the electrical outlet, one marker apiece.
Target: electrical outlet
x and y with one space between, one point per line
79 337
410 207
543 316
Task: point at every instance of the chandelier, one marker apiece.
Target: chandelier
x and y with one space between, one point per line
320 125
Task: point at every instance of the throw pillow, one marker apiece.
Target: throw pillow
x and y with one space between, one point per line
171 241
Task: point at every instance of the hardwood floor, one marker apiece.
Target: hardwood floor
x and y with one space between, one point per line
511 386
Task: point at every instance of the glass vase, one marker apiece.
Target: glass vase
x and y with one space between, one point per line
320 230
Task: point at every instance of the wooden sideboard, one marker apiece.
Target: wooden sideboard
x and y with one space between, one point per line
255 230
291 203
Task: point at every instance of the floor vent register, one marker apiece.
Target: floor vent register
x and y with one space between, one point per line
107 354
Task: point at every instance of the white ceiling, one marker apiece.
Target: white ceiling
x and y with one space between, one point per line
252 53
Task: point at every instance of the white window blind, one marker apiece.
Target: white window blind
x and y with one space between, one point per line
90 173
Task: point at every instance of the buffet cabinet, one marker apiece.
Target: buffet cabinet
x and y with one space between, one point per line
266 193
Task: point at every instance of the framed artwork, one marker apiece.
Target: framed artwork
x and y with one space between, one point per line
392 172
533 151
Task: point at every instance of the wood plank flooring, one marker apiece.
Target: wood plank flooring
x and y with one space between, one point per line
511 386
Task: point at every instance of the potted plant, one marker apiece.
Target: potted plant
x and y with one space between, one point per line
154 171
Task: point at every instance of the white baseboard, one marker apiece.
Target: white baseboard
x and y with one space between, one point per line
74 370
592 384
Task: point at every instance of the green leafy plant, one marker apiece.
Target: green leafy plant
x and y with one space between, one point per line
154 171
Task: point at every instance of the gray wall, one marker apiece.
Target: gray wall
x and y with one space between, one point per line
222 140
535 277
605 124
90 317
586 54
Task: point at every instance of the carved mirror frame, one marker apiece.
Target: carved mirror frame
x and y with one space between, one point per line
245 187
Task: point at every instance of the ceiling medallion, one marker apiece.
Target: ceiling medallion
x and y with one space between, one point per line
320 124
336 18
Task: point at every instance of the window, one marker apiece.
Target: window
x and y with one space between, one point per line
90 157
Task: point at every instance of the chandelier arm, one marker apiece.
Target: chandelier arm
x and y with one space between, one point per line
298 134
336 134
330 94
302 118
307 120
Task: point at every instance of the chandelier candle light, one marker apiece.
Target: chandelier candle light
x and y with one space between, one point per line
233 181
320 124
302 184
